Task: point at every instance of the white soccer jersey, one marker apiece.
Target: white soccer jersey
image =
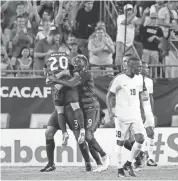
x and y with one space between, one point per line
127 90
146 95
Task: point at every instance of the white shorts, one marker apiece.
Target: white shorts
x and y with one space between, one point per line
124 129
150 121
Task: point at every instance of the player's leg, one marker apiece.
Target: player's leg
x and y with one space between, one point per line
58 98
92 117
122 132
80 118
84 150
137 128
73 125
149 126
50 144
72 97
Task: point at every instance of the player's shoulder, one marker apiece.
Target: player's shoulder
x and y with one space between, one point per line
149 80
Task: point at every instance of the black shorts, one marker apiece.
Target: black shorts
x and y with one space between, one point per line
65 95
70 117
53 121
91 118
58 96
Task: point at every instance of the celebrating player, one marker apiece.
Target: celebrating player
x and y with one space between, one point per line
89 104
54 64
71 96
126 89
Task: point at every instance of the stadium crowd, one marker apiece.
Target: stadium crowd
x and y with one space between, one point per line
31 30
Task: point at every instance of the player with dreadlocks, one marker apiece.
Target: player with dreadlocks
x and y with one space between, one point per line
89 104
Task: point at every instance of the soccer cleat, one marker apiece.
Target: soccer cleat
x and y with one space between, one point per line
98 169
65 139
106 163
121 173
137 166
88 167
151 163
129 168
49 168
81 138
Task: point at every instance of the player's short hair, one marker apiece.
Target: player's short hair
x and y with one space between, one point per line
21 3
133 59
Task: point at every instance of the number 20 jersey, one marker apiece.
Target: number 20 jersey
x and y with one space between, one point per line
56 62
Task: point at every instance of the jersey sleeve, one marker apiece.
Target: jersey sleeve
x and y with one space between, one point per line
115 85
151 87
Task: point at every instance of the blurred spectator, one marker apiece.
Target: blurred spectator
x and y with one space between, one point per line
5 61
101 48
129 25
56 42
154 9
25 61
84 25
45 32
166 16
151 35
42 49
3 38
47 14
73 50
21 10
20 37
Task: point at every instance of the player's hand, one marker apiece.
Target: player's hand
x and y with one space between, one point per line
112 116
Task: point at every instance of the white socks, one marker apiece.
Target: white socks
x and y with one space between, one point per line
119 155
150 145
135 151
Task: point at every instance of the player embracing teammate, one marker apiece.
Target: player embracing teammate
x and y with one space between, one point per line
78 89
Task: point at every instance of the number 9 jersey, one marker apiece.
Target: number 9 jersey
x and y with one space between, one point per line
55 63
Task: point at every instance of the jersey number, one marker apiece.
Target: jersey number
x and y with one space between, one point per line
76 125
118 134
63 63
133 92
89 123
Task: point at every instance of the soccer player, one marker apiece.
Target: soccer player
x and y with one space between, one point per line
127 88
148 105
55 65
70 96
89 104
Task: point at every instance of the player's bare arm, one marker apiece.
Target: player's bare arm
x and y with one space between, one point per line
109 102
141 107
73 82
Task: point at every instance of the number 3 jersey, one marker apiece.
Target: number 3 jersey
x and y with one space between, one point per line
126 92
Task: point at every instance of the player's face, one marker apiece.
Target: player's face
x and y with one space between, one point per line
79 64
145 69
20 9
136 67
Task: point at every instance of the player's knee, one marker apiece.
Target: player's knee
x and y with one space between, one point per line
49 134
89 136
150 132
120 143
139 138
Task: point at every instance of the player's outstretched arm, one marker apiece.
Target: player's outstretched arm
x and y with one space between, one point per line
73 82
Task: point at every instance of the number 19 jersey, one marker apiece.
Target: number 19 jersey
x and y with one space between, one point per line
56 62
126 92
